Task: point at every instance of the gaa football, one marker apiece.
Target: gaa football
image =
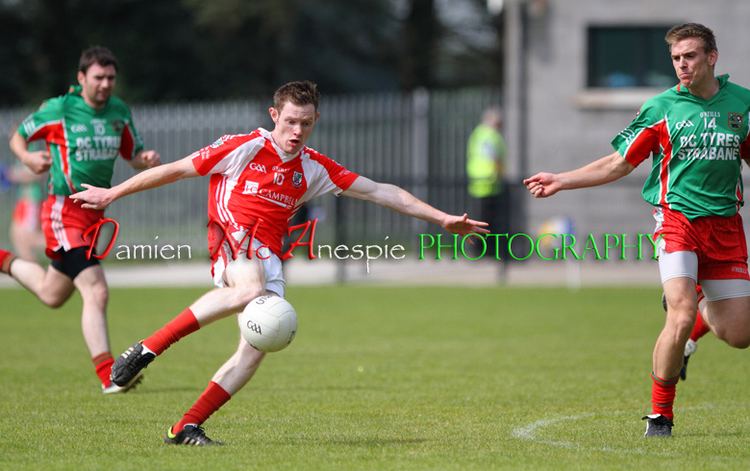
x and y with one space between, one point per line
268 323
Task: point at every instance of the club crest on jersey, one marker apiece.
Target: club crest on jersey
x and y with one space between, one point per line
297 179
118 125
251 188
735 121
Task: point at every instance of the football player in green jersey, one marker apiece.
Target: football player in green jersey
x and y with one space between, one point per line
84 131
697 134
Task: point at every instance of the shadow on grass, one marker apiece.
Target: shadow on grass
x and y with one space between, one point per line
364 441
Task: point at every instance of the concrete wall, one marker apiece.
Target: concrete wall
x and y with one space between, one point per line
569 126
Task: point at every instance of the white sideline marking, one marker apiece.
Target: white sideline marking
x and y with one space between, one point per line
529 432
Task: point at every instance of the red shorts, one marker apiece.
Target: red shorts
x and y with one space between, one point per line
26 215
64 222
718 242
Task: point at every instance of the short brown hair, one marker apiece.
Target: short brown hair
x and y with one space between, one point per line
299 93
692 30
96 55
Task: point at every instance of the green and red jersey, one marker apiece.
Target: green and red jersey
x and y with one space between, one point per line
697 147
83 142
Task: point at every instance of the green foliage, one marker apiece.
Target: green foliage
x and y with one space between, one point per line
378 378
192 49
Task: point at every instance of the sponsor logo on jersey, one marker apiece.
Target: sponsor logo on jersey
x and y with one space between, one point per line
297 179
279 169
278 198
684 124
79 128
257 167
218 142
251 188
735 121
118 125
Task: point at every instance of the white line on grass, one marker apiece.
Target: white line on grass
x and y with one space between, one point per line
529 432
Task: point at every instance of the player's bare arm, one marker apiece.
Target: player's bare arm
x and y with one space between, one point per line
605 170
38 162
398 199
146 159
99 198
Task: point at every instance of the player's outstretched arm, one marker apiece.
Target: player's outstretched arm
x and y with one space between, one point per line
599 172
99 198
404 202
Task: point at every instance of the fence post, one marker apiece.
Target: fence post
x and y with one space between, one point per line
420 149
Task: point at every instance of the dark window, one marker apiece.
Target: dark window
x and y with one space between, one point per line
629 56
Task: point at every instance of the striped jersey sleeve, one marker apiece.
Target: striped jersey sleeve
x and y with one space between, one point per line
227 153
131 143
43 122
325 175
641 138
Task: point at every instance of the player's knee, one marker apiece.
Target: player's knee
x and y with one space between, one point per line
96 293
682 306
53 300
681 322
244 294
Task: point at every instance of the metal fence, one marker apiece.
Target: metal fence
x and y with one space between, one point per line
415 140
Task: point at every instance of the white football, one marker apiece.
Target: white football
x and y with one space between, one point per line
268 323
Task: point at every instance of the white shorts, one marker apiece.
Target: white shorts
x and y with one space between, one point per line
272 269
685 265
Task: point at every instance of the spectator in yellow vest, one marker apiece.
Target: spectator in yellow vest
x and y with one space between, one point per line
485 168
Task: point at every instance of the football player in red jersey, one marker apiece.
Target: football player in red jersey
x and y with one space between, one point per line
258 181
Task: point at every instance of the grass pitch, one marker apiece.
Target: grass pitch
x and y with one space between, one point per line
377 378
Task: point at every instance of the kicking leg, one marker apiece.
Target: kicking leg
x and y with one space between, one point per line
245 279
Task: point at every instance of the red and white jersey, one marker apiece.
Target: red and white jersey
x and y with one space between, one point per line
252 179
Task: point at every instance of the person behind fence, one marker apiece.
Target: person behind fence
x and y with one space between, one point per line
25 225
698 134
485 170
258 181
85 131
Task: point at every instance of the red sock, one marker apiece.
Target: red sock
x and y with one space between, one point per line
700 328
6 258
662 395
210 401
103 364
185 323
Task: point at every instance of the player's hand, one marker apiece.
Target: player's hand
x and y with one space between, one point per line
149 158
543 184
38 162
463 225
93 197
